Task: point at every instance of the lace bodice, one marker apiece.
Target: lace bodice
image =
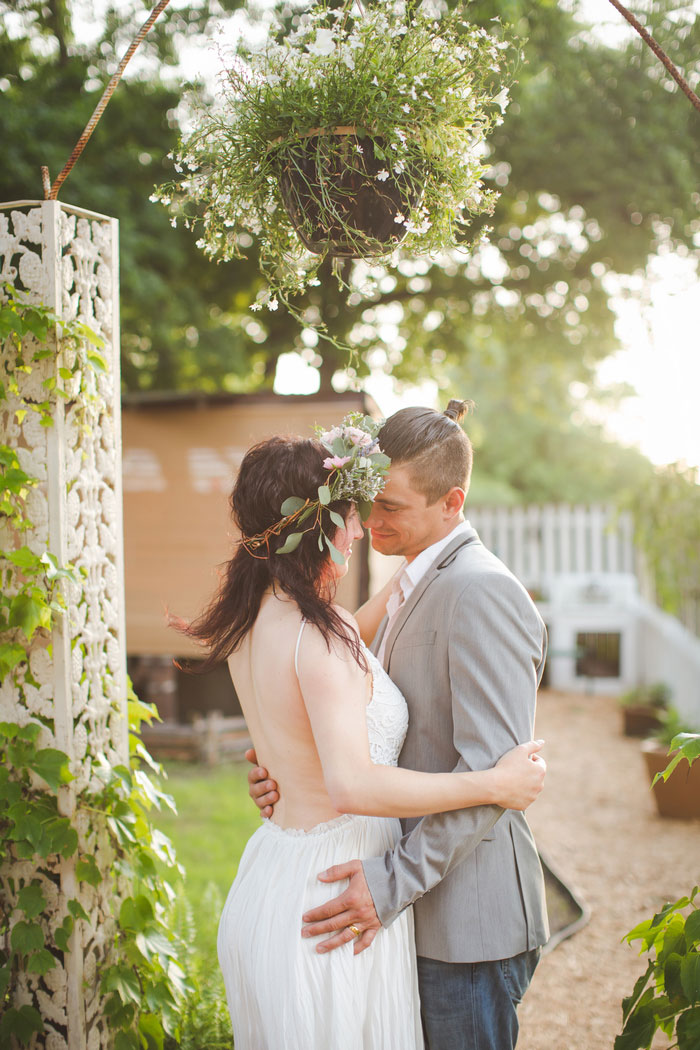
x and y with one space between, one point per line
387 713
387 716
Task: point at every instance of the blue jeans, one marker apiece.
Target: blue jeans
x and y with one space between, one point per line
472 1006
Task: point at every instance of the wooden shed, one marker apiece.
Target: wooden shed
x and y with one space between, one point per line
180 457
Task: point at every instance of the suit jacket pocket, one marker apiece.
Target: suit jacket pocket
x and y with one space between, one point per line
414 639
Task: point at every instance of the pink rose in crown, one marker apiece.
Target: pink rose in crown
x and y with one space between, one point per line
357 436
336 461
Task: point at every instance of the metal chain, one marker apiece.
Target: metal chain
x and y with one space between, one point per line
51 193
660 54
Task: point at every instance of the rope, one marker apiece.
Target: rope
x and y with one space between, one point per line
52 193
660 54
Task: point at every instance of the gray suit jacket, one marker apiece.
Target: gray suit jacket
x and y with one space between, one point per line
467 650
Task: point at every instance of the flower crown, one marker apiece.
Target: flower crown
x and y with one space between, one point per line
358 471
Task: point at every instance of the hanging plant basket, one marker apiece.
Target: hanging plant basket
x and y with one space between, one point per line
354 128
340 197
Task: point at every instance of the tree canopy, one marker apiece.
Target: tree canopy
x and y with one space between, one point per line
594 161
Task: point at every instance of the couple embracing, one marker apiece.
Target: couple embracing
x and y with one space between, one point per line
400 745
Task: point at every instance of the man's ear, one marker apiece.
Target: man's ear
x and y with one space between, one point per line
453 501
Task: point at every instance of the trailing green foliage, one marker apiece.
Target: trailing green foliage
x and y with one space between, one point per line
43 820
667 529
667 995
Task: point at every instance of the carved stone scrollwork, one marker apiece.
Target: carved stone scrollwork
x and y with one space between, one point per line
66 259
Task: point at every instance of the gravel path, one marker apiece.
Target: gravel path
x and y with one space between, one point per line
596 823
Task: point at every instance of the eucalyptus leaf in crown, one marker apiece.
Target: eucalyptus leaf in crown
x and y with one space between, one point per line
391 96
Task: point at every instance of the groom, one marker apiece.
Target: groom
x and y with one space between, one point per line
464 643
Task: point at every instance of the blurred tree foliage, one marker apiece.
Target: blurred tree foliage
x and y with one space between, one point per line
595 162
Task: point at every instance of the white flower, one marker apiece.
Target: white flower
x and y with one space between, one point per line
399 217
399 166
323 44
382 175
375 81
256 306
501 99
406 108
272 304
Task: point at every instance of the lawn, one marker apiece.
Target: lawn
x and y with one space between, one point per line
215 818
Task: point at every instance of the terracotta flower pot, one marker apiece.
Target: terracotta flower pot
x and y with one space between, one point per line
679 796
335 200
640 720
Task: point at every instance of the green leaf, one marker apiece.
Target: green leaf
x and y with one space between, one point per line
28 613
41 962
63 932
291 543
692 929
52 766
86 870
77 911
26 937
151 1029
23 558
324 495
336 519
22 1024
97 361
128 1040
688 1029
123 981
639 1029
364 508
379 459
11 654
135 913
629 1001
672 975
31 900
291 505
335 554
690 977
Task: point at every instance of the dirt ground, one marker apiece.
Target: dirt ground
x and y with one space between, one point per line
597 826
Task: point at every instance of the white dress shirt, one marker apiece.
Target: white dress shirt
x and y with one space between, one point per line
410 576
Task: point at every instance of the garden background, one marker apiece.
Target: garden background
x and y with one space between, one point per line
596 163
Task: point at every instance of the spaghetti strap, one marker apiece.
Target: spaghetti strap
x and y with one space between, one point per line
296 651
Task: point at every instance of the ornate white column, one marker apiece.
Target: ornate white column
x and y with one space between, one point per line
75 682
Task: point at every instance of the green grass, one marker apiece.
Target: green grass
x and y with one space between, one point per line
215 818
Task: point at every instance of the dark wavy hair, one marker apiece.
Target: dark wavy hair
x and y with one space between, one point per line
270 472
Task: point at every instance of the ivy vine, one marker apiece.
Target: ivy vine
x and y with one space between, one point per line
142 983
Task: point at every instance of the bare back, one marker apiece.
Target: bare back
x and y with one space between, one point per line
265 678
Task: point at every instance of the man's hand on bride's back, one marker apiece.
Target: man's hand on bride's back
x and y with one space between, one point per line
520 774
261 788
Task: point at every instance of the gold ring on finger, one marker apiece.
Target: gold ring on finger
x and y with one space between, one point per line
354 930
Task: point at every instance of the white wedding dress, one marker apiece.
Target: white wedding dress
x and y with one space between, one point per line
283 995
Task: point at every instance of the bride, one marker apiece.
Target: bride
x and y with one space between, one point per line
323 714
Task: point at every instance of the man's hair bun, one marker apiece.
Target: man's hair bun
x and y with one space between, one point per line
457 410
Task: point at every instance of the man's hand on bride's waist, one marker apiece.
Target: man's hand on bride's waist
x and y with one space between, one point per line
263 791
349 917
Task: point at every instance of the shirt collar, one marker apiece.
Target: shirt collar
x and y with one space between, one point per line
415 570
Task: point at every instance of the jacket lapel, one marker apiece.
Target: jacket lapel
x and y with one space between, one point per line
442 561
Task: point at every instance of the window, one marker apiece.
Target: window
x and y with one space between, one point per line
598 654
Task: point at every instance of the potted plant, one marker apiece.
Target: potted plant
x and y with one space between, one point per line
643 707
676 786
358 128
665 997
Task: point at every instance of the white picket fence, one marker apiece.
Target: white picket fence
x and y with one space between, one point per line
581 566
537 543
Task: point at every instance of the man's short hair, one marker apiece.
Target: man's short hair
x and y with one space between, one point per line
433 445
